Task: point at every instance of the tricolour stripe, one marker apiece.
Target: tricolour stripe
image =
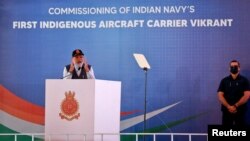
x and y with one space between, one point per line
138 119
19 125
20 108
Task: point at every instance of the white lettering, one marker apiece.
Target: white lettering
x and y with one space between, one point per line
167 23
121 24
211 22
24 24
216 132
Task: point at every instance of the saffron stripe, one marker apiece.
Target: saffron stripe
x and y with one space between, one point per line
20 108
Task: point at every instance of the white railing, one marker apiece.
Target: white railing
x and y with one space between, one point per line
101 136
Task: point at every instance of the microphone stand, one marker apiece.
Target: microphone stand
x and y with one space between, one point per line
145 101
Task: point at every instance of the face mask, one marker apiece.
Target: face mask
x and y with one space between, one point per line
234 70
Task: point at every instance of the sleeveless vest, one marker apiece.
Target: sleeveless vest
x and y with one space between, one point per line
83 74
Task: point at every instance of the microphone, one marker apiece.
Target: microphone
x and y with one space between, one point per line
71 73
79 68
66 75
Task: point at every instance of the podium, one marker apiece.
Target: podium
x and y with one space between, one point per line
78 110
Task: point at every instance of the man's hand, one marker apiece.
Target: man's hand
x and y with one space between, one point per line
232 109
72 67
86 66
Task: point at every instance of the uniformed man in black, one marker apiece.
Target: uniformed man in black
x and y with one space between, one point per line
233 94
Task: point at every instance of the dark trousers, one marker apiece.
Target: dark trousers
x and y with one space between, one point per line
237 118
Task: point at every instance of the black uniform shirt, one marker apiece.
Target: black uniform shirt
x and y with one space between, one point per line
234 89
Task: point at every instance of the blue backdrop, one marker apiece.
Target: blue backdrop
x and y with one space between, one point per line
187 63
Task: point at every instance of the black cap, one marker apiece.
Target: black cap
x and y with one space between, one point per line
77 52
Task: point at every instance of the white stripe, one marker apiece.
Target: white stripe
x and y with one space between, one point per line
19 125
127 123
23 126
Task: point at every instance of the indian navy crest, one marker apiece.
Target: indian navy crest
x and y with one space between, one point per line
69 107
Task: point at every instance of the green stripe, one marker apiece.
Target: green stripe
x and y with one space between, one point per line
172 124
158 129
161 128
6 130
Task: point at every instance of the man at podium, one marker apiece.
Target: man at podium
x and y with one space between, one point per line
79 68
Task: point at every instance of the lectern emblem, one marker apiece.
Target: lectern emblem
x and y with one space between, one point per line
69 107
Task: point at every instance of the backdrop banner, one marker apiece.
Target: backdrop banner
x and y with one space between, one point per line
188 45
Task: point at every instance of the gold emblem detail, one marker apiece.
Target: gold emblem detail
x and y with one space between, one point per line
77 52
69 107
